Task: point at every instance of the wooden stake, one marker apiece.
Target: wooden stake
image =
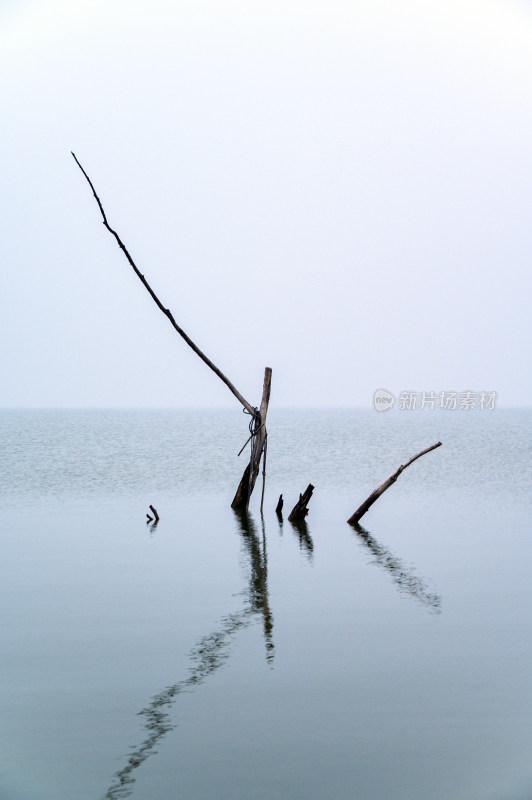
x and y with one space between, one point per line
279 506
300 509
247 483
359 513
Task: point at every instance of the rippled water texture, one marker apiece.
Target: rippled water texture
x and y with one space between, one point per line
216 655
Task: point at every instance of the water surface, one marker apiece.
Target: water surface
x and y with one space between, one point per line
215 655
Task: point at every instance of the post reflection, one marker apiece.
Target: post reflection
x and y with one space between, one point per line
208 655
404 578
306 545
258 579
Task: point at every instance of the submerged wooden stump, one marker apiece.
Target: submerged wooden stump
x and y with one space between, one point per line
300 509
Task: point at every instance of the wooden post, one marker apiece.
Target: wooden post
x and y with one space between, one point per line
359 513
258 443
279 506
300 509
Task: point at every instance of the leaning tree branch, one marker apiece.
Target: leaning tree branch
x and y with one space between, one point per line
386 485
166 311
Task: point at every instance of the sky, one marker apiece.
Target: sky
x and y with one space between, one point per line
338 190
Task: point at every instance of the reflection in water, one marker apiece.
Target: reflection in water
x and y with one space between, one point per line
206 657
210 653
258 579
306 545
406 580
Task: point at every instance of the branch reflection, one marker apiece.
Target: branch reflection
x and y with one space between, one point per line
403 577
208 655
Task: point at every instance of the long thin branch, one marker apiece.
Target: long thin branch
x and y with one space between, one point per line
166 311
359 513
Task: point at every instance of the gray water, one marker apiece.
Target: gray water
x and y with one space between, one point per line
217 656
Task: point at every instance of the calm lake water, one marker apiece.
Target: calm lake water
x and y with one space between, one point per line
214 656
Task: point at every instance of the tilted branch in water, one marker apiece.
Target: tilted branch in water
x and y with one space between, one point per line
359 513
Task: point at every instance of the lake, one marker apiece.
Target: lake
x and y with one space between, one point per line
220 656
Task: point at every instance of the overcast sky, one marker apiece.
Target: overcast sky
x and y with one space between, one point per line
340 190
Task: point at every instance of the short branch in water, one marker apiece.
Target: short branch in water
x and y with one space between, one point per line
359 513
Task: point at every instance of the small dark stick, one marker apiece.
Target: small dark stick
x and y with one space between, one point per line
359 513
155 514
300 509
279 506
264 453
149 519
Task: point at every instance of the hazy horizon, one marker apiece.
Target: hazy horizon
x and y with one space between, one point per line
285 407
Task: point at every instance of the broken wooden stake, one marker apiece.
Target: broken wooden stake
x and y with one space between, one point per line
279 506
300 509
359 513
155 514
